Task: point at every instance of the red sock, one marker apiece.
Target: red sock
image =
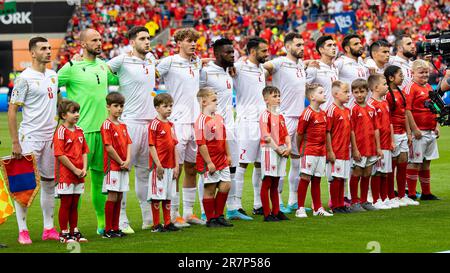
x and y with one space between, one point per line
391 180
383 188
220 200
334 193
401 179
424 176
208 205
155 212
354 180
166 211
73 218
301 192
274 196
341 192
375 184
64 211
265 186
315 193
116 215
364 188
109 214
411 179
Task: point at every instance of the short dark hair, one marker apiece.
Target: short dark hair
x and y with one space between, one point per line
253 42
321 41
268 90
291 36
66 106
162 98
133 32
220 43
360 84
347 38
376 45
33 41
399 40
115 97
374 80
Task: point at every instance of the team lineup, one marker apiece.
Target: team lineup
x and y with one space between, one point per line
366 126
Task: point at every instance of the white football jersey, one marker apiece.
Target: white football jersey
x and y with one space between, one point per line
290 78
137 83
221 82
324 76
370 63
182 80
350 70
249 82
37 93
406 66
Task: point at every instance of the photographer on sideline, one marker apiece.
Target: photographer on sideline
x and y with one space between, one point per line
445 84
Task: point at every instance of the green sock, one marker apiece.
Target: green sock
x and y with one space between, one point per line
98 198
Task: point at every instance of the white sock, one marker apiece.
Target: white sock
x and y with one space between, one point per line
141 187
294 173
48 202
201 189
174 206
256 180
239 178
280 189
188 201
231 194
21 215
123 219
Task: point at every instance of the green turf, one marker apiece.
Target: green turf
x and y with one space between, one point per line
411 229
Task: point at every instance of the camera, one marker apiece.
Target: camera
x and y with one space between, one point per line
439 45
437 106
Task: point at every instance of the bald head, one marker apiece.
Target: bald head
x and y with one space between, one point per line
91 41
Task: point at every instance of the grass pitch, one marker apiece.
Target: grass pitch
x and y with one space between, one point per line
409 229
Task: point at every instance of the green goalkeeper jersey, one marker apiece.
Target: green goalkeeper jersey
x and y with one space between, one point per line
87 83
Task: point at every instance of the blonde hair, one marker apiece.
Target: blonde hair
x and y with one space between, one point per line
205 92
374 79
311 89
186 33
417 64
338 85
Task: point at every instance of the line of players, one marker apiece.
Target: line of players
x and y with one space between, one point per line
184 74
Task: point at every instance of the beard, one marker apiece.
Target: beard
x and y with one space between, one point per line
356 53
94 52
298 55
261 59
409 54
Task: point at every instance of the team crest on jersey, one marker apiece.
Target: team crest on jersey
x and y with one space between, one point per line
53 80
370 113
103 68
80 139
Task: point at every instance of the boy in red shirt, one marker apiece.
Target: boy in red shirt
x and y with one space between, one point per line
70 169
164 168
213 158
378 85
275 148
338 143
311 140
365 146
116 156
425 132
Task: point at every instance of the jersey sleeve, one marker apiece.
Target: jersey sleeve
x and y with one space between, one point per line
64 74
199 132
129 141
330 120
152 133
174 135
19 91
302 124
264 125
58 142
283 128
410 99
85 149
311 74
353 115
276 63
203 78
116 63
113 79
106 134
164 66
339 64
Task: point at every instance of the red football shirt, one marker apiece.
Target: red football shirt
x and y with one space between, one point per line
383 122
339 126
363 125
313 126
117 136
162 136
416 95
273 126
397 110
210 131
73 145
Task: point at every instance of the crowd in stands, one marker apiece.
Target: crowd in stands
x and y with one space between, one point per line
236 19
